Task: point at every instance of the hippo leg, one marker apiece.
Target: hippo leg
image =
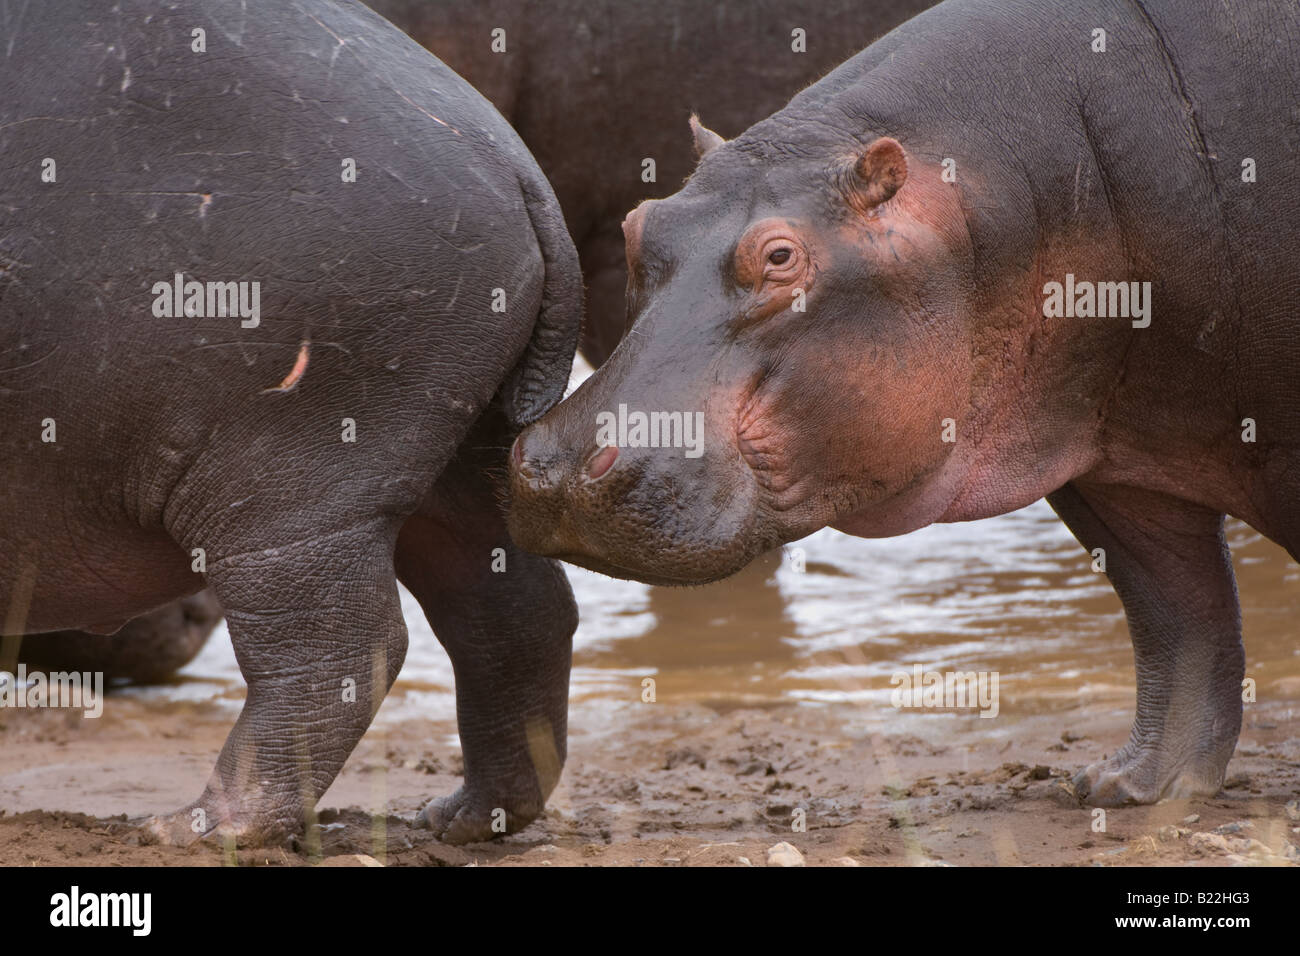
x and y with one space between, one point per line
506 619
1169 563
318 631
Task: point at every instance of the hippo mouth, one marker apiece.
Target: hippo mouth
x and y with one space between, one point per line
764 462
635 512
765 449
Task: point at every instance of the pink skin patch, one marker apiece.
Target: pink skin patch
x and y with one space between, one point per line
295 373
601 462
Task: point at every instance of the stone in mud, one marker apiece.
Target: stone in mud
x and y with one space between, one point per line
350 859
1238 826
784 854
684 756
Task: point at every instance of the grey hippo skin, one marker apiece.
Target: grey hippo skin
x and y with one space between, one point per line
926 301
198 431
593 87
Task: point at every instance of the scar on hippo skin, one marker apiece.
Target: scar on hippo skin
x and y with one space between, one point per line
299 367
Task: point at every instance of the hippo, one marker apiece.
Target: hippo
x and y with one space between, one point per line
337 286
637 72
147 650
1013 250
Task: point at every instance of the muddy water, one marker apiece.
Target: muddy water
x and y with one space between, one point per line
833 618
1014 594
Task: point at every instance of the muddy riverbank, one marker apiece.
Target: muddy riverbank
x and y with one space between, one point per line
671 784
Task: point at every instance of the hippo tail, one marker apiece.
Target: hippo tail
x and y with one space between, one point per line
539 380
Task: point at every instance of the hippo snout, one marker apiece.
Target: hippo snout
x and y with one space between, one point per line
652 513
545 476
540 465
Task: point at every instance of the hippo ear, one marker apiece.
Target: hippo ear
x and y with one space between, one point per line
876 175
706 141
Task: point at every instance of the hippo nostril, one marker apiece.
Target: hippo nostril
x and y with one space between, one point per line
522 464
601 462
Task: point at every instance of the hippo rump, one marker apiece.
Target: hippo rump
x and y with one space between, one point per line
277 290
885 306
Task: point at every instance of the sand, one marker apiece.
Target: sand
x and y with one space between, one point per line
671 784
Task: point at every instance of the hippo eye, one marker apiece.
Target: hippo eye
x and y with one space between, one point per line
781 260
770 256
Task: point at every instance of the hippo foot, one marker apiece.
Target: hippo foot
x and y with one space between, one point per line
1132 777
465 818
186 828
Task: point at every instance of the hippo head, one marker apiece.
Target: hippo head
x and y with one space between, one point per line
799 341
